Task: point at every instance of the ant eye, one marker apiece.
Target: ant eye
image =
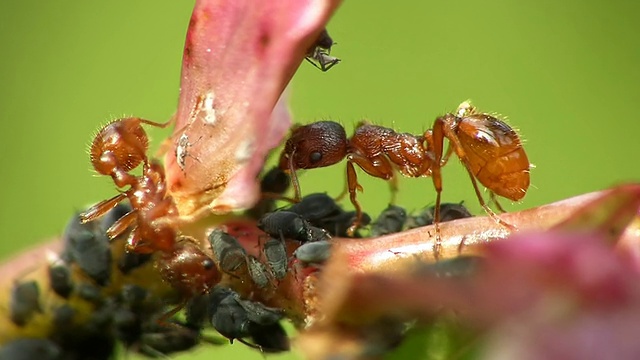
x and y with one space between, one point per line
315 156
208 264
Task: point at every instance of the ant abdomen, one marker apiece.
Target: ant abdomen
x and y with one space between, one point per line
119 146
318 144
495 155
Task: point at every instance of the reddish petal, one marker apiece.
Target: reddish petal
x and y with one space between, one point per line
239 56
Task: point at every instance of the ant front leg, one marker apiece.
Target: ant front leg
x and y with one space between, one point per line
101 208
294 179
494 199
435 137
352 183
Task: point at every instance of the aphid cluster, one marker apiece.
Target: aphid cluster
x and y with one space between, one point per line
94 300
488 148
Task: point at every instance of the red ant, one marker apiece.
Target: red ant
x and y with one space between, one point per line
118 148
489 149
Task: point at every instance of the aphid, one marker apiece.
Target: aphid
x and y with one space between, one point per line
90 293
275 181
448 212
130 261
133 295
390 221
24 302
316 207
318 53
227 316
272 186
167 340
88 246
235 318
258 272
228 252
60 276
271 338
458 267
313 253
63 316
488 148
289 225
276 254
338 225
30 349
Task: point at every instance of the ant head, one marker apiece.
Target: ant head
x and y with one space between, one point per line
318 144
120 145
188 269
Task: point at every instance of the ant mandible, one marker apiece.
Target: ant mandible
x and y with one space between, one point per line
489 149
118 148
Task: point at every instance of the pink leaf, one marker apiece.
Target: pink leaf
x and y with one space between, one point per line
238 58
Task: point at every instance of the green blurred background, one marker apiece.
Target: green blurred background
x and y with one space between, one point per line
566 74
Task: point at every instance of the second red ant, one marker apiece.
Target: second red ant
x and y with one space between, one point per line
488 148
118 148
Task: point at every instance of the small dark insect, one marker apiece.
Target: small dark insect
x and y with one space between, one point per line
391 220
235 318
448 212
271 338
63 316
289 225
168 340
24 302
228 252
88 246
60 277
90 293
227 316
30 349
318 53
313 253
275 181
272 187
276 254
258 272
130 261
316 207
339 225
489 149
458 267
197 311
133 295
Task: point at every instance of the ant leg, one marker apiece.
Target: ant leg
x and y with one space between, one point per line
342 194
162 321
446 157
494 200
393 188
352 181
157 124
101 208
122 224
294 178
486 207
